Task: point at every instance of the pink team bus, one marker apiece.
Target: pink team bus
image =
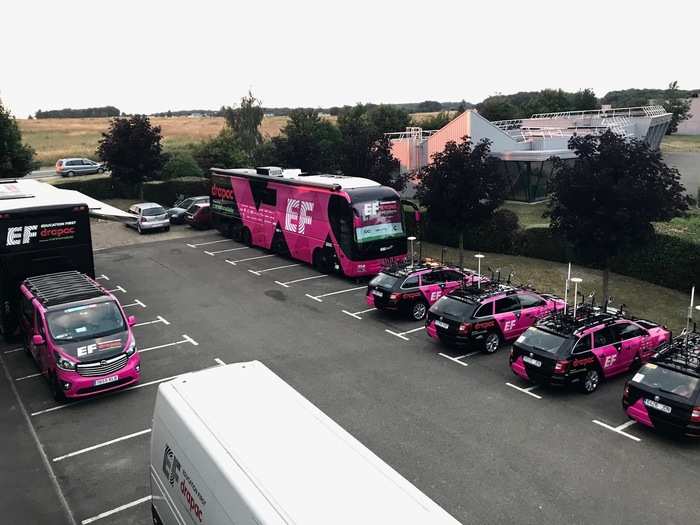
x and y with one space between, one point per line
347 224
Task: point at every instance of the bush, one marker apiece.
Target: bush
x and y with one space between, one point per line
180 164
223 151
96 187
542 243
166 192
499 234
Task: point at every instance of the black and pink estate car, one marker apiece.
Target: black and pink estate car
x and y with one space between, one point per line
596 344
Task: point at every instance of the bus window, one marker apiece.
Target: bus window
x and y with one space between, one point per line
340 217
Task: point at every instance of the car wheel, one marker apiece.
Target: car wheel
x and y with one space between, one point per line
591 380
100 170
70 174
491 342
166 229
58 394
418 310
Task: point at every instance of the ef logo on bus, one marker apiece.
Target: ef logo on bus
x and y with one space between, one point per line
17 235
298 215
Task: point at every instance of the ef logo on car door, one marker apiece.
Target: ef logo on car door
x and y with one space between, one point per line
509 325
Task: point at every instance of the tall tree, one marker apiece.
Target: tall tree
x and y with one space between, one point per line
383 167
309 142
462 186
584 99
16 158
678 105
132 150
245 122
499 108
221 151
606 201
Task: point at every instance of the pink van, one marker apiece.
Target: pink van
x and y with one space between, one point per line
78 335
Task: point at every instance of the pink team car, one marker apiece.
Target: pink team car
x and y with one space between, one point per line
596 344
487 316
412 289
78 335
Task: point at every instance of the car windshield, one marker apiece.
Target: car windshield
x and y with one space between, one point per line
454 308
541 340
378 220
156 210
666 380
185 204
383 279
86 321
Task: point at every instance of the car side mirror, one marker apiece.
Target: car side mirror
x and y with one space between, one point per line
131 320
38 340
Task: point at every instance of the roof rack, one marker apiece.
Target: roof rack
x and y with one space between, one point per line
63 287
587 316
682 353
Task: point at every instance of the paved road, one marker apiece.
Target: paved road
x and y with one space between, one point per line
42 173
447 420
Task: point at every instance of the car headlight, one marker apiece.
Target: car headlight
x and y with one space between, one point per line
63 363
131 350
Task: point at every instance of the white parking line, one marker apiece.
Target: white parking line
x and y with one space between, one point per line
103 276
459 358
185 339
159 319
105 444
286 284
219 361
402 335
356 315
27 377
229 250
250 259
619 429
260 272
135 303
527 391
209 242
14 350
118 288
318 297
114 511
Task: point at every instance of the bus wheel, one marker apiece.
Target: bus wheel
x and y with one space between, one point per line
246 237
320 262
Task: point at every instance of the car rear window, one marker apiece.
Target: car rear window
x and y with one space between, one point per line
540 340
454 308
153 211
667 381
384 280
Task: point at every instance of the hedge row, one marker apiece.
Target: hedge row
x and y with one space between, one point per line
96 187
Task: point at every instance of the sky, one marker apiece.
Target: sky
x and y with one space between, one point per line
153 55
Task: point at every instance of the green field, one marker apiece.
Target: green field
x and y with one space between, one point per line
681 144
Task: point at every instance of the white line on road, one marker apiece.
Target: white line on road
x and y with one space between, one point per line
114 511
135 303
286 284
27 377
402 335
159 319
527 391
229 250
118 288
356 315
14 350
209 242
459 358
259 272
318 297
619 429
185 339
105 444
219 361
103 276
249 259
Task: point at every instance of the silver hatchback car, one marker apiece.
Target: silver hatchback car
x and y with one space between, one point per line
70 167
150 216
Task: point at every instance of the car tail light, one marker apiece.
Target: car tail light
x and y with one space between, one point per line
561 366
695 415
464 327
395 296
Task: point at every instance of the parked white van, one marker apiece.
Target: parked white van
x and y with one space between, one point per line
236 444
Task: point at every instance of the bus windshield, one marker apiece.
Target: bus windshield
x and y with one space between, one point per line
378 220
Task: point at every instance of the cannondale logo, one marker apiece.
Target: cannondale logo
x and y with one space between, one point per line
171 465
298 215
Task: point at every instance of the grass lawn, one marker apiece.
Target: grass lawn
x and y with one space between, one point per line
681 143
529 215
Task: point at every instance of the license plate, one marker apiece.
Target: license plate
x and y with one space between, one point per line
442 325
105 380
658 406
377 293
530 361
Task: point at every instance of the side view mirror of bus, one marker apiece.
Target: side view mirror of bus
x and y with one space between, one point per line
131 320
37 340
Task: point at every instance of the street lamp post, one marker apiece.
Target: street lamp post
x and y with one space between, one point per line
411 238
478 256
576 280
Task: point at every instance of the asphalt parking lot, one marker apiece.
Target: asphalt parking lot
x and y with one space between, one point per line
480 442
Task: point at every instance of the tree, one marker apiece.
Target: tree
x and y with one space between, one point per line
132 150
605 201
434 122
180 164
222 151
498 108
584 99
16 158
383 167
309 143
428 106
678 105
462 187
462 107
245 121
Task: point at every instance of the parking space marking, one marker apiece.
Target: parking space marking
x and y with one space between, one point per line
250 259
356 315
402 335
209 242
459 358
103 276
101 445
115 511
14 350
159 319
619 429
27 377
118 288
219 361
527 391
185 339
135 303
260 272
318 297
286 284
229 250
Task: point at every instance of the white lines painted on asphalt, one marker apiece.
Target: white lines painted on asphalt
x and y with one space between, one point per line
14 350
619 429
194 245
250 259
185 339
103 277
356 315
159 319
229 250
135 303
101 445
318 297
118 288
287 283
527 391
27 377
260 272
402 335
219 361
459 358
115 511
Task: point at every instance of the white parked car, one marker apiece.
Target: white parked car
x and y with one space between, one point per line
150 216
